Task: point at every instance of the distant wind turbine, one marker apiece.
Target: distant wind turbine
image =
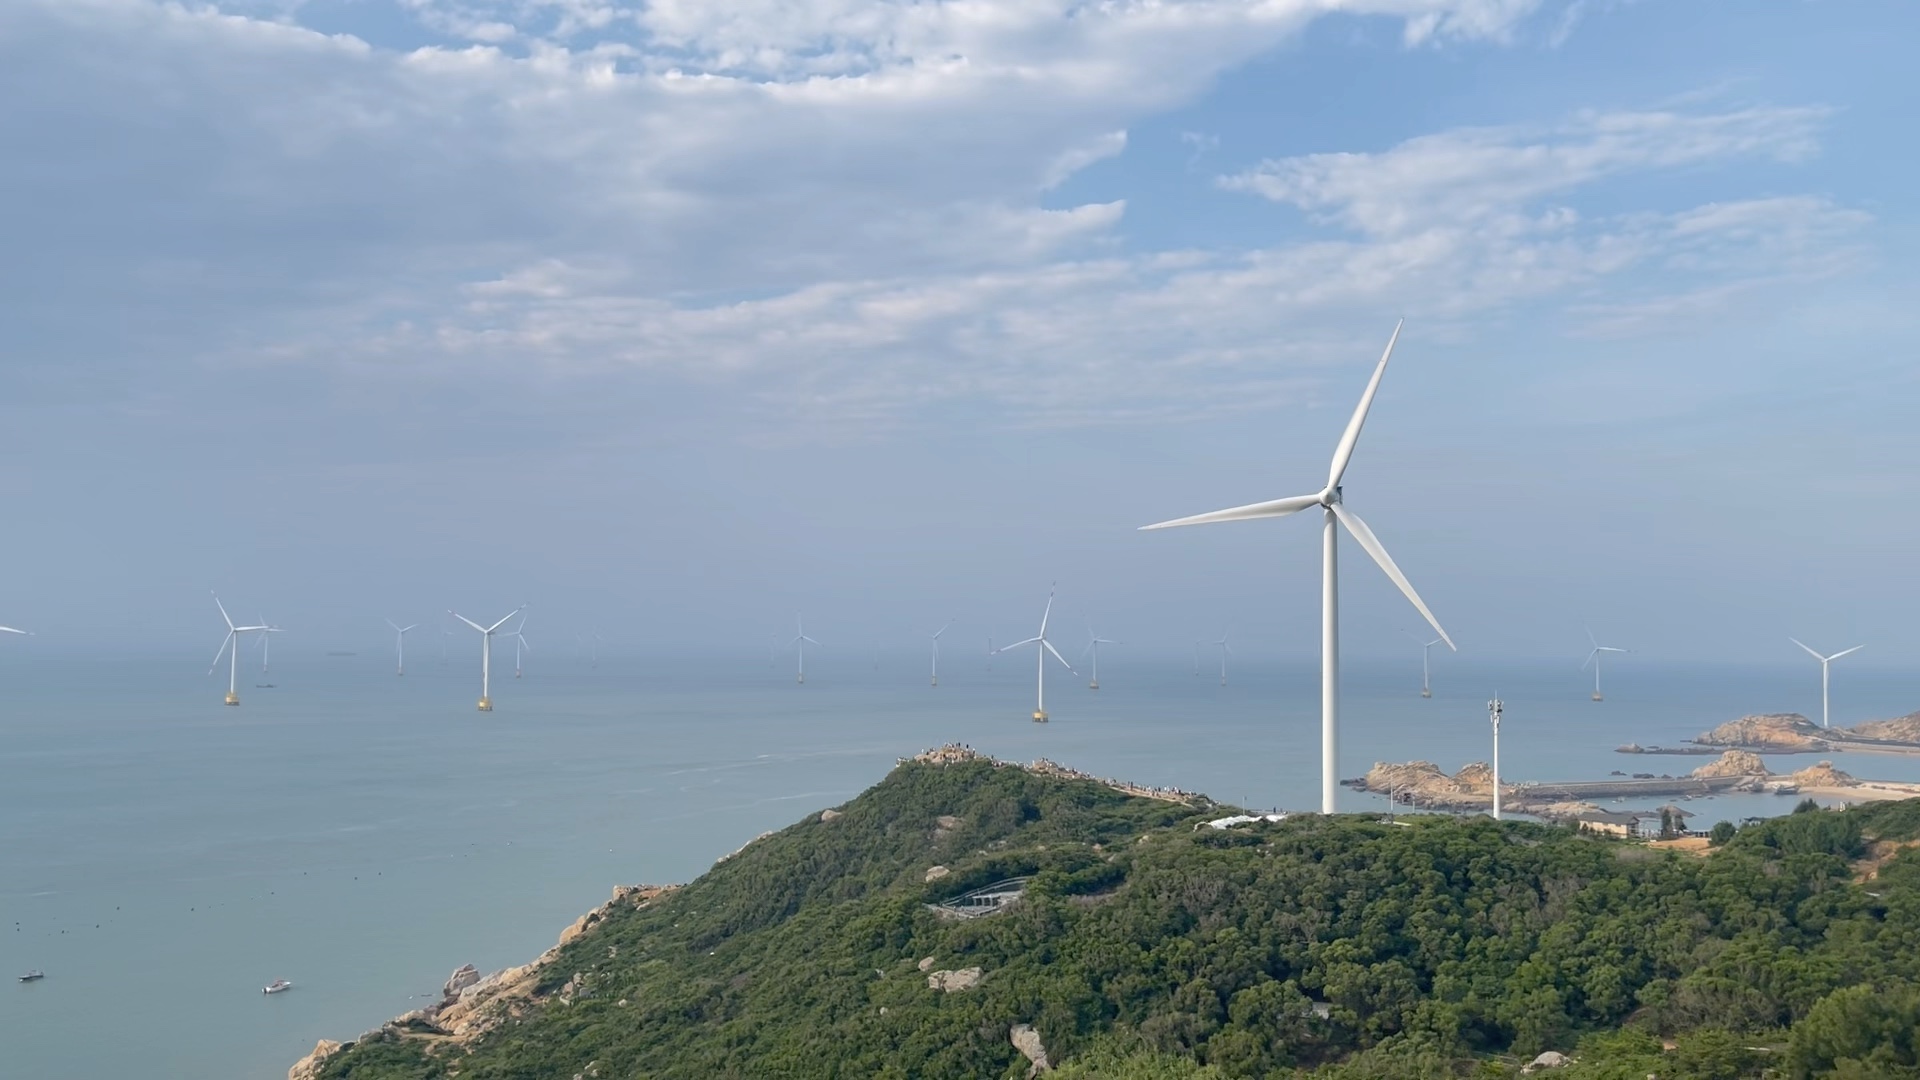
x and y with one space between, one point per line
520 642
486 652
591 642
230 647
1226 650
1426 666
799 645
400 646
936 652
1594 659
1094 641
266 637
1330 499
1042 648
989 653
1824 661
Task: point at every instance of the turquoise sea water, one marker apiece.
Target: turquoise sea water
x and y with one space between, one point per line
162 857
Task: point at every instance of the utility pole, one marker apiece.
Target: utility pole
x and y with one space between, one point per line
1494 708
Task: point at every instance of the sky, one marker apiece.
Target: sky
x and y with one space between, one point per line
675 319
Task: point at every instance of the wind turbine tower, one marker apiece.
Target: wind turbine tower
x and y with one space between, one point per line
800 642
230 647
1334 515
936 652
1226 650
1093 646
1825 719
1594 659
1041 648
486 652
400 646
1426 662
1494 709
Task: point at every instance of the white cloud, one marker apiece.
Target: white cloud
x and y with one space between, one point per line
840 199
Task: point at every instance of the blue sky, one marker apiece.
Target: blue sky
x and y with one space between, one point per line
682 316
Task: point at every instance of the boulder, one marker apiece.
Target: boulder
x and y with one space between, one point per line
463 976
1823 775
926 964
1552 1059
829 815
935 873
308 1068
1732 763
949 981
1027 1041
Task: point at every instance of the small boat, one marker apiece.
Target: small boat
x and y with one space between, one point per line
33 976
276 986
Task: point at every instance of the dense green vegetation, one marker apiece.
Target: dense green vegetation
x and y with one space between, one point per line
1149 949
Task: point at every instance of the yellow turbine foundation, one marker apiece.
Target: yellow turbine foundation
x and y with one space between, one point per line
486 704
1039 716
233 698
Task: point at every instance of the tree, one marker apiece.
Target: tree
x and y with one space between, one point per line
1859 1030
1722 832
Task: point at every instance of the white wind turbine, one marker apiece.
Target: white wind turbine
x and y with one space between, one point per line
230 647
1094 641
936 651
1334 515
1226 650
799 645
1594 659
400 646
1042 648
520 642
1824 661
266 635
1426 665
486 652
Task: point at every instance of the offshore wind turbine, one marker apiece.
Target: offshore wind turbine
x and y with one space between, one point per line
1824 661
267 630
520 642
1426 666
230 647
1093 646
400 646
1334 515
1226 650
936 652
486 652
1042 648
1594 659
799 645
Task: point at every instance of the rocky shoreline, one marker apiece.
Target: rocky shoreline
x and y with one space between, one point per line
1792 733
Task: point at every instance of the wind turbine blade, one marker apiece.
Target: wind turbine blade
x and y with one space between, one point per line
1348 439
466 620
1810 652
11 630
1591 640
1589 659
522 639
1044 615
1838 655
1374 548
1016 644
224 642
1048 645
1252 511
810 641
942 630
504 618
404 629
223 611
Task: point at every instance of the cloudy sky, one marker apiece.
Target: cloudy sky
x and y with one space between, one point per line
677 316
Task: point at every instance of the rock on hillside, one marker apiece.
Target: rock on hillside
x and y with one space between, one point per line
1733 763
1904 729
1778 732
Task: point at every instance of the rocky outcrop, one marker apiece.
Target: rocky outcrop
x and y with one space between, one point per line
463 976
829 815
935 873
1732 763
1027 1041
1823 775
1552 1059
308 1068
1780 733
949 981
1901 729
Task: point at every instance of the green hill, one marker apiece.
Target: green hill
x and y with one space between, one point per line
1149 946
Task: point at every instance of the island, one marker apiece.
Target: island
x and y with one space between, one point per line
967 917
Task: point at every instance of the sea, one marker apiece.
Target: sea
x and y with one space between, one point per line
162 856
